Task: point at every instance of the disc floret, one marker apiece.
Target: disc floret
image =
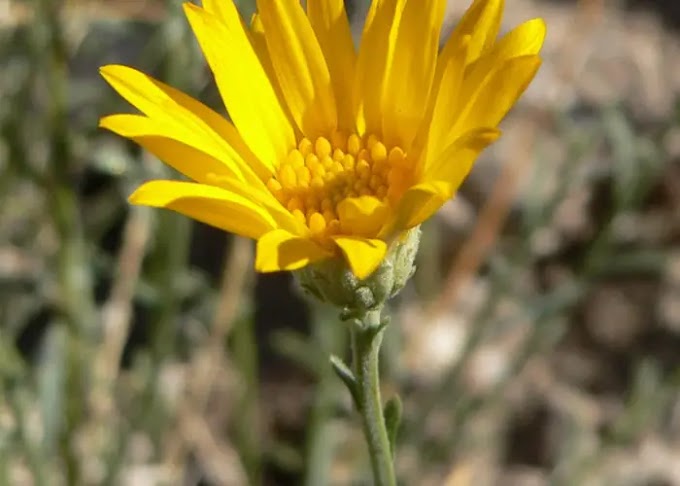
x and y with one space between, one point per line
318 175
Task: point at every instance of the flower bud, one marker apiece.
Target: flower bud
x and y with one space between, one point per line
333 282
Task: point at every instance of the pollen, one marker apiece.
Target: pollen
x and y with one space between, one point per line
319 174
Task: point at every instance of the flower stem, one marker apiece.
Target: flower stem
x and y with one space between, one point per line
366 339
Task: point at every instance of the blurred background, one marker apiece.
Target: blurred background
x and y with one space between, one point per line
538 343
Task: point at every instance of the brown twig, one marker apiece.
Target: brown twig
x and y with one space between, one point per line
205 370
234 279
218 458
117 310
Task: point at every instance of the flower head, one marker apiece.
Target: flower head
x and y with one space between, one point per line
333 152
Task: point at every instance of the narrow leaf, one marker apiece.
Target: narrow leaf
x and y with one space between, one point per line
346 375
393 411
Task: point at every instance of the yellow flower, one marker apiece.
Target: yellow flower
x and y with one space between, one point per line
332 152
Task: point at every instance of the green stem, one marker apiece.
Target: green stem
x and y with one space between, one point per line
366 339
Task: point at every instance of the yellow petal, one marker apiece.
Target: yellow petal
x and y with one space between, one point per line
280 250
362 216
375 52
477 31
524 40
445 104
409 73
184 150
441 180
221 9
259 43
331 26
452 165
199 166
363 255
284 219
192 122
418 204
243 83
493 98
210 205
481 22
300 66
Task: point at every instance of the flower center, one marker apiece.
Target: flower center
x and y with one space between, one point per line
318 175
